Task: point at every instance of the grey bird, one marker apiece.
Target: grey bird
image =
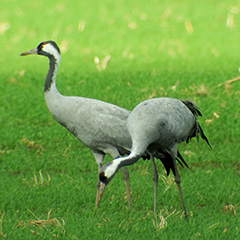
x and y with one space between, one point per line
99 125
157 126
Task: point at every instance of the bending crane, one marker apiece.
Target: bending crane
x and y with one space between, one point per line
157 126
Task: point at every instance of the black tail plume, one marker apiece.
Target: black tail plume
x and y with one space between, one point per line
167 160
193 108
197 128
180 158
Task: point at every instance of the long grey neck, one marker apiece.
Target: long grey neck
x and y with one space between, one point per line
129 160
52 72
52 96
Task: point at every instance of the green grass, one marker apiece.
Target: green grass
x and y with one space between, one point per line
176 49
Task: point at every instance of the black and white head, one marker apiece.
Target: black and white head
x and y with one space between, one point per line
107 172
48 48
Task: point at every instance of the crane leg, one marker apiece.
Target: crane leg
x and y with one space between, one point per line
100 189
155 180
127 183
178 182
99 156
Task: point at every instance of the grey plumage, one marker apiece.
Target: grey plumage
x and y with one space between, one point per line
158 125
99 125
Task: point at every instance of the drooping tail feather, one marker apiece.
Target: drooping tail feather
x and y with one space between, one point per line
167 160
180 158
195 131
197 128
192 107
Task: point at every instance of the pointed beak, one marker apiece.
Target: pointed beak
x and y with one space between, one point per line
100 191
32 51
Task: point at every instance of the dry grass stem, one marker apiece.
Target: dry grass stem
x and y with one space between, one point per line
189 26
229 208
215 116
101 66
41 223
1 224
229 81
163 216
168 181
37 182
210 228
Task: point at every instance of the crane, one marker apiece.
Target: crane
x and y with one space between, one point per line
158 124
99 125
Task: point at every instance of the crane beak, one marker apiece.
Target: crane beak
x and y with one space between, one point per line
32 51
100 190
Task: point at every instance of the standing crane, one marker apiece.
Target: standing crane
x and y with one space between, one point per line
99 125
158 124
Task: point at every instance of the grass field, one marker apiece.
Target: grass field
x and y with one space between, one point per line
181 49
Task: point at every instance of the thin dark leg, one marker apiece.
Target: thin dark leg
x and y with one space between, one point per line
127 183
178 182
155 180
100 188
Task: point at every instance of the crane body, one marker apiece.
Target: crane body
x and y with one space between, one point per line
158 125
99 125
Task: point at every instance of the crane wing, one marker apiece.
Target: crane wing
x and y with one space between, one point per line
101 126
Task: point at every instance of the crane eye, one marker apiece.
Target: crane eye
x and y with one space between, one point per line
41 45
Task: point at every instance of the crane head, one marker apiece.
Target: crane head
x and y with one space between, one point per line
104 179
103 182
108 171
48 48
